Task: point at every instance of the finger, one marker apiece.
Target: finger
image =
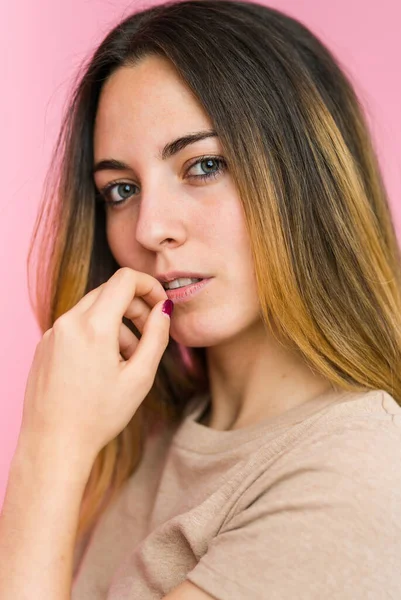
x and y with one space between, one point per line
127 342
87 301
117 294
138 312
144 362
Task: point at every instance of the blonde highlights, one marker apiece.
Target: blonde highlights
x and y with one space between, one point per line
326 257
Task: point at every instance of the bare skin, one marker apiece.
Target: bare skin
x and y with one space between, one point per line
170 221
176 223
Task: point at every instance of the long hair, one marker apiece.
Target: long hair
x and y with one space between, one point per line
295 138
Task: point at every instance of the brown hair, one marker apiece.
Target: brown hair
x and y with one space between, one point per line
298 148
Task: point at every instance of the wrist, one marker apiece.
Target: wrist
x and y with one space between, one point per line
39 518
61 458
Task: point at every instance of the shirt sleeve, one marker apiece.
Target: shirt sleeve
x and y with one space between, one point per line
328 525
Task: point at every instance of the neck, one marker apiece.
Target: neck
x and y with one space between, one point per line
253 377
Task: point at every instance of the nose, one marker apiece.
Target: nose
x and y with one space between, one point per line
160 221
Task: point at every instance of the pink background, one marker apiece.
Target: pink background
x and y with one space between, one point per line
41 45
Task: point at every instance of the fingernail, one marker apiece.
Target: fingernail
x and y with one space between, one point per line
168 306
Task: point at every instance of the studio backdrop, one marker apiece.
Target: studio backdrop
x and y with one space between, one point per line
43 44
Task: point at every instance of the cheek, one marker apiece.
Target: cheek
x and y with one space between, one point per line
120 240
234 242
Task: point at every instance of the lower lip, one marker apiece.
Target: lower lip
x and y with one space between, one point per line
186 293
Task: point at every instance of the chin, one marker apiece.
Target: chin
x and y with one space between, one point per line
201 334
217 327
192 339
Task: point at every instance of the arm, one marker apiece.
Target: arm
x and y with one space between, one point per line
81 392
39 520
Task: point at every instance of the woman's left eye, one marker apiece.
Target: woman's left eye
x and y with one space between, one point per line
205 162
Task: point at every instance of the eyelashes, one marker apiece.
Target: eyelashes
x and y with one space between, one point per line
104 195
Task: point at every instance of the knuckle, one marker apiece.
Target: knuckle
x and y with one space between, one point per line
47 334
94 326
126 272
61 324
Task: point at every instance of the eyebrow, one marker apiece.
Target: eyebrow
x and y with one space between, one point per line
169 150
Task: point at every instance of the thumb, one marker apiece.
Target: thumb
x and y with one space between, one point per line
153 343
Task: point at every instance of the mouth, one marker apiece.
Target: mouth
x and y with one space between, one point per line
186 292
170 276
180 283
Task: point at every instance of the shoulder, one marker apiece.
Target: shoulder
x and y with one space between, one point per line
368 408
355 438
362 431
359 441
350 449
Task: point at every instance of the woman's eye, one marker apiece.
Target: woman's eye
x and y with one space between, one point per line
208 167
116 192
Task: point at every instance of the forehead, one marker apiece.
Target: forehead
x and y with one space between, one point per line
147 102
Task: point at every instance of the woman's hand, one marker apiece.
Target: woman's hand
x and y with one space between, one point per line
90 373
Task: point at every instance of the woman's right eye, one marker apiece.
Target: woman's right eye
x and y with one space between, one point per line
123 192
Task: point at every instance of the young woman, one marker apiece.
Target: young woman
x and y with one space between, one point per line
248 445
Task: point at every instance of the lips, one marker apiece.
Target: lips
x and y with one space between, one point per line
171 275
167 286
186 293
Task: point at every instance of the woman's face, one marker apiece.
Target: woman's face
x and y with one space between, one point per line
171 220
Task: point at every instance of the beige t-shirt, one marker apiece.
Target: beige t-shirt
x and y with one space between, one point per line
305 505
